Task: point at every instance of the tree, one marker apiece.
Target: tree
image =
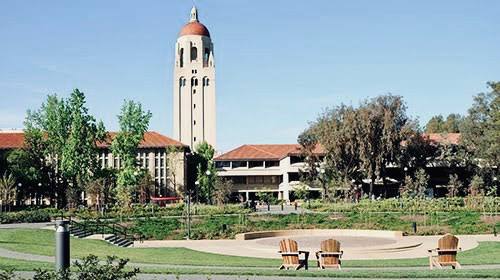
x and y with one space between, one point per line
417 150
312 172
414 187
454 185
337 131
438 124
453 123
481 127
145 187
205 171
382 122
7 190
100 188
79 154
61 138
222 190
172 155
476 186
435 125
134 122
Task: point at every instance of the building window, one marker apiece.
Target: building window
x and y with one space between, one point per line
194 91
194 139
237 164
222 164
206 56
272 163
255 164
181 57
194 106
194 122
194 53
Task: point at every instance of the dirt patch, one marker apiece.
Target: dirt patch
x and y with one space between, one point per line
414 218
490 219
432 230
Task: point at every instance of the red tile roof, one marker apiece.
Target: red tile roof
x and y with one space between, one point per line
263 152
280 151
11 140
444 138
152 139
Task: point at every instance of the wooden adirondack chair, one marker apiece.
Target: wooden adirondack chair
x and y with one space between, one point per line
291 255
330 254
446 253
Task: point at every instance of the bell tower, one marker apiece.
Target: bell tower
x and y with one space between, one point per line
194 104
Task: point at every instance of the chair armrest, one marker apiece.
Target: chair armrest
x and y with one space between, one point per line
331 253
303 252
447 250
288 253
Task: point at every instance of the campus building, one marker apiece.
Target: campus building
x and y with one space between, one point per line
165 158
276 169
263 168
194 85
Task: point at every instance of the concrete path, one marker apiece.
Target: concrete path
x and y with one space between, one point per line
27 225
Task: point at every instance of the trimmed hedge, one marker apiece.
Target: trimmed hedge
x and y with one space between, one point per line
33 216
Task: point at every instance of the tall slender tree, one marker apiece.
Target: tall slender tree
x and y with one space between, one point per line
134 122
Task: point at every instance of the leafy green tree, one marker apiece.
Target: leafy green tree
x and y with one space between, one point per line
476 186
438 124
453 123
481 128
313 173
61 137
382 121
222 190
205 171
337 130
134 122
417 150
7 190
454 185
415 186
79 154
435 125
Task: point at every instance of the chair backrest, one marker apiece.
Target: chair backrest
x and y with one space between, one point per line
330 246
289 246
447 246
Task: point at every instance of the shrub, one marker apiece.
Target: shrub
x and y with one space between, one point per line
156 228
33 216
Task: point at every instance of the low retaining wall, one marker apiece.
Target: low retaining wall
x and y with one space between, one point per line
333 232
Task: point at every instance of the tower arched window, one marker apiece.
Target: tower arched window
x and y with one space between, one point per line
206 56
194 53
181 57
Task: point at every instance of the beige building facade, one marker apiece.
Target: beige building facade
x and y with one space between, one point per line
194 103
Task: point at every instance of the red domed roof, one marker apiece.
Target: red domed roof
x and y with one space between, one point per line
194 28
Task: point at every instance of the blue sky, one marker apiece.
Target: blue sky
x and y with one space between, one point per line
279 63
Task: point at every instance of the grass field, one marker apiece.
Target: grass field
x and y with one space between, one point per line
41 242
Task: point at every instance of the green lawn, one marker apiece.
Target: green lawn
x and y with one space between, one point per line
41 242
